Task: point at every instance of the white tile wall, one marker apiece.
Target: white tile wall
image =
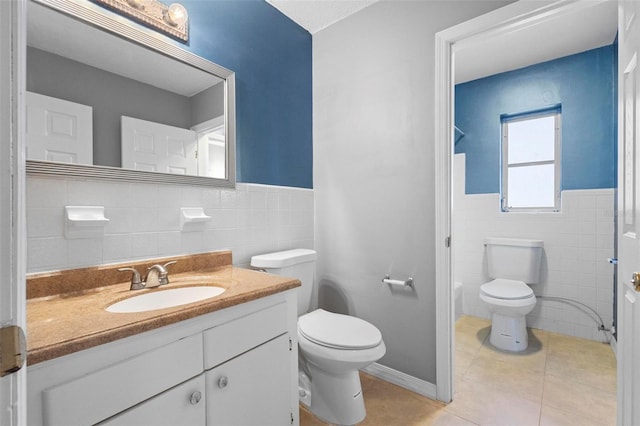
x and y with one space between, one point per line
145 221
578 242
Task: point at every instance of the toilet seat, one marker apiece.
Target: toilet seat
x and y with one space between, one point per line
507 289
338 331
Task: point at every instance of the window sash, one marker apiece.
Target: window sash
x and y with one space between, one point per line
556 161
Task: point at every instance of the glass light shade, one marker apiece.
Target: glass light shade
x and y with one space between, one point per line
177 15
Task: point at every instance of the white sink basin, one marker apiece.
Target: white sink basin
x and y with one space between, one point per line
165 299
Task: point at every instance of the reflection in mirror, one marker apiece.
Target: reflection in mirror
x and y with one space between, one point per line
98 99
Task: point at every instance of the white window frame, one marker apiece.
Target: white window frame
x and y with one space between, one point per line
505 120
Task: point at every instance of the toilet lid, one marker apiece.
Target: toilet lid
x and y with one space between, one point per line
338 331
507 289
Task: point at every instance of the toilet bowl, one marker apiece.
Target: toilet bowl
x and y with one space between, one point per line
332 347
509 301
513 263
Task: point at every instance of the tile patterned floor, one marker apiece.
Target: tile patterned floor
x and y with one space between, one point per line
558 380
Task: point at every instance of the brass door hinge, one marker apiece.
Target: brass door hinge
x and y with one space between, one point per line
13 349
636 281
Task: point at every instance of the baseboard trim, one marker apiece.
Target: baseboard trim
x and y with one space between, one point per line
401 379
614 346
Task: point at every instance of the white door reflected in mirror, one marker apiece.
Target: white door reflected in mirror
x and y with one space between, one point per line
155 147
212 149
59 130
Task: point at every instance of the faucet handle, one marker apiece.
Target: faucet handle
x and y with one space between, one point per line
170 263
157 275
165 278
162 269
136 282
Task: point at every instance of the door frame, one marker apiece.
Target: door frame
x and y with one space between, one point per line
12 197
500 22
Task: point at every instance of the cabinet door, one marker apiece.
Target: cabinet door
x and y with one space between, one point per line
253 388
101 394
182 405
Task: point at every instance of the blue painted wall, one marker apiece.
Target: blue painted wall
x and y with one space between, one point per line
584 84
271 56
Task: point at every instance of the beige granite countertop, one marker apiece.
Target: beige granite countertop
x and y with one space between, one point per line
62 323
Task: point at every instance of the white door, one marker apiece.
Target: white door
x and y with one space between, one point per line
212 149
629 220
12 189
156 147
59 130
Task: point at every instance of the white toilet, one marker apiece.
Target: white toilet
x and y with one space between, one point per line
333 347
513 263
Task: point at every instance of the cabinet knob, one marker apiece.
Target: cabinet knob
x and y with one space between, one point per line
195 398
223 382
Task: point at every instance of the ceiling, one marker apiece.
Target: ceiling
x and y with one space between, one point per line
592 27
315 15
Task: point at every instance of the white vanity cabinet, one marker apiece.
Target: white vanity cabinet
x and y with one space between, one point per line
235 366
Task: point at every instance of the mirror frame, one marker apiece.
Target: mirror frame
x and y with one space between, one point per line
120 27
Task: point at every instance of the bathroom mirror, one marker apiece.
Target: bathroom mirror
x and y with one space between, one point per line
108 99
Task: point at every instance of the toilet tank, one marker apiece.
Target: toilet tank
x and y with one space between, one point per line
514 258
296 263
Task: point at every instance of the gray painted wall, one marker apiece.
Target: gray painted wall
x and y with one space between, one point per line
373 154
207 104
112 96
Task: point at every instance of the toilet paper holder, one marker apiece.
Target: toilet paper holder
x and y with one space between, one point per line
403 283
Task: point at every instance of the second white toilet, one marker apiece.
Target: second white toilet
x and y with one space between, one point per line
333 347
513 263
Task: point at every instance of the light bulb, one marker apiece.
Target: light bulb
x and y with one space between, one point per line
176 15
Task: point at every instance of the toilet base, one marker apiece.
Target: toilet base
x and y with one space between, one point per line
509 333
336 398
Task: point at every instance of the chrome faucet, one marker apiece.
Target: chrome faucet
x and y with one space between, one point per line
136 282
157 275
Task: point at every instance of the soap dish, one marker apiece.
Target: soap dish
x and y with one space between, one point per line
84 221
192 215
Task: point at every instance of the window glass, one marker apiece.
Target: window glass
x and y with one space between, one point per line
532 186
531 140
531 164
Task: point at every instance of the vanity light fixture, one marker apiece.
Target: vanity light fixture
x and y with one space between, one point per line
171 20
